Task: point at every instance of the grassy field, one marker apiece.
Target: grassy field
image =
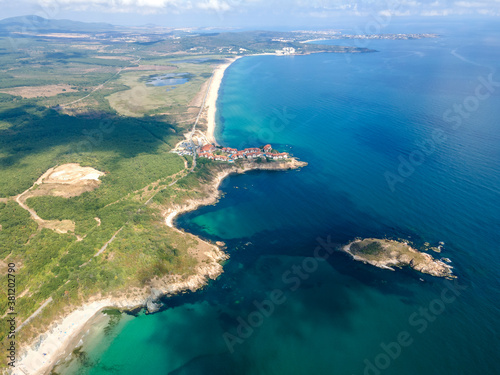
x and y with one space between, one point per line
141 99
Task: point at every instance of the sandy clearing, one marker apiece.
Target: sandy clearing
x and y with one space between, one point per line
71 174
68 180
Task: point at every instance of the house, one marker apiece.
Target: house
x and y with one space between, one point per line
229 150
251 150
268 148
207 148
207 155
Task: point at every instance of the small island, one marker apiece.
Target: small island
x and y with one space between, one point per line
387 254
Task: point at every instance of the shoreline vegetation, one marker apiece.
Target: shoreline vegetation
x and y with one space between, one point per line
43 353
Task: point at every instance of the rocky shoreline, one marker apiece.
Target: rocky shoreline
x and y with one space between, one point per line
387 254
63 335
213 193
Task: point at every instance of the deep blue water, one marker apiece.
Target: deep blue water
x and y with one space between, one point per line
355 119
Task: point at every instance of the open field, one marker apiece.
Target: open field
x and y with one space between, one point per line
141 99
34 92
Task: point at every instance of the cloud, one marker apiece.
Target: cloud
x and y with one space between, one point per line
307 8
215 5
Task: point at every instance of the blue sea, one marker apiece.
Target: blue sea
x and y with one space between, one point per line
401 143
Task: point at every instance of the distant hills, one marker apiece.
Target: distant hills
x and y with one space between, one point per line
40 24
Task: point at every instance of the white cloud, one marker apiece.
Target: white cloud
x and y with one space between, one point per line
312 8
471 4
215 5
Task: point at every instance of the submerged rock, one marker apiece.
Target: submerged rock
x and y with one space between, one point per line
387 254
152 303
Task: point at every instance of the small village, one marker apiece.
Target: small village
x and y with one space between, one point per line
230 155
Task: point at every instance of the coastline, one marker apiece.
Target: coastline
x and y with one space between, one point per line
211 100
214 193
63 335
41 355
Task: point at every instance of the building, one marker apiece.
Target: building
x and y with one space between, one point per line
207 148
268 148
286 51
207 155
251 150
229 150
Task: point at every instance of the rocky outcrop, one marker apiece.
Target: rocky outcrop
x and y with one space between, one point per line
387 254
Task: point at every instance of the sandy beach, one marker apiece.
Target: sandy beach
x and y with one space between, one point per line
51 347
211 100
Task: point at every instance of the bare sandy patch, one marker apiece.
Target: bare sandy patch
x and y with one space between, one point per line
72 174
68 180
36 91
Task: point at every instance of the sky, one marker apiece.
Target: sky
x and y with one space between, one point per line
243 13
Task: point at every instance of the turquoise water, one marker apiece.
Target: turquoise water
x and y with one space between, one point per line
353 118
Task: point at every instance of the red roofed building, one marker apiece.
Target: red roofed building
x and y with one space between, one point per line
268 148
207 155
207 148
251 150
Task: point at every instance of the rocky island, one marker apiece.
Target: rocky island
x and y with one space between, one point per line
387 254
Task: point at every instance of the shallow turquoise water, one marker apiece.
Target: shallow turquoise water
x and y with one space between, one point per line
352 117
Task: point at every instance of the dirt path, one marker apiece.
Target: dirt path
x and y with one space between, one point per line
98 87
175 181
146 203
34 215
38 311
109 241
198 119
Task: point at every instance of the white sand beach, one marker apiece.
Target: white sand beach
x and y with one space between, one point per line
211 99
